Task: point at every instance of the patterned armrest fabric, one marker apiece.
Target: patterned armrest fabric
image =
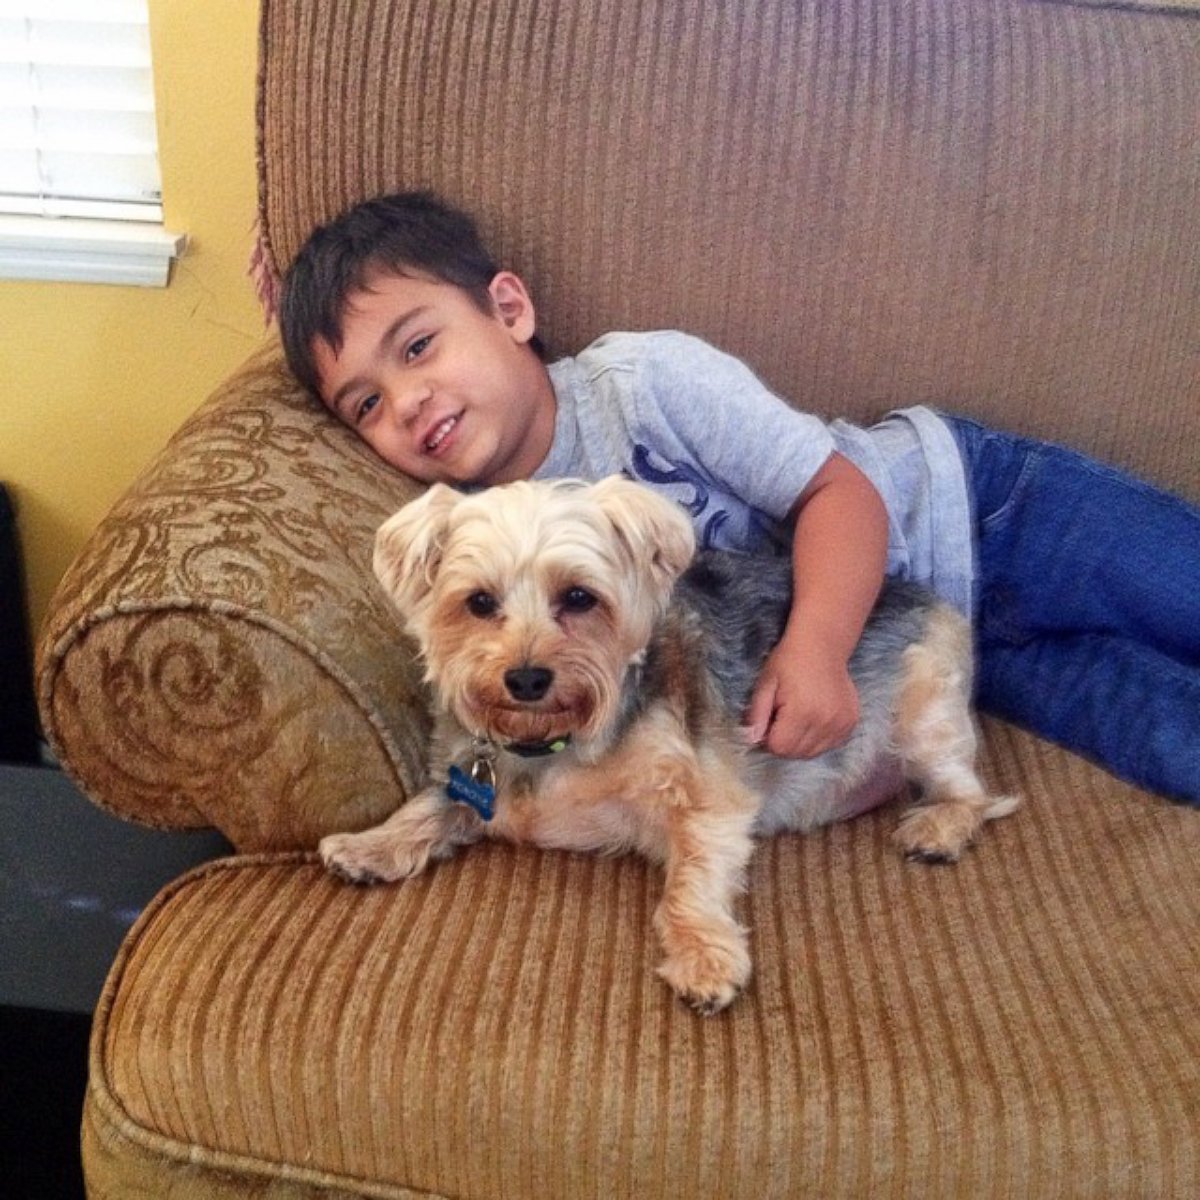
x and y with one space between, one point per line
220 654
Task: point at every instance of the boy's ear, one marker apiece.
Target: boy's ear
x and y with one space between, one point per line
409 545
513 304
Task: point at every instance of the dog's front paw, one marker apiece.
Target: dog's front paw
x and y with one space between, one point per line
374 856
708 975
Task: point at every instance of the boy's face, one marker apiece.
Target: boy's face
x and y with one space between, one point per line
436 386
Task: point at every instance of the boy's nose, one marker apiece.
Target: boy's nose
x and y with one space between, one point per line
411 400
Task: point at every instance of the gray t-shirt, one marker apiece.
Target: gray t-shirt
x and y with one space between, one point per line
696 424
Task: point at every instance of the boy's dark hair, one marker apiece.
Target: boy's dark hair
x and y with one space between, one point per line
402 234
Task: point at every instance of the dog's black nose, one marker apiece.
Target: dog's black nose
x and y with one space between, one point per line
528 683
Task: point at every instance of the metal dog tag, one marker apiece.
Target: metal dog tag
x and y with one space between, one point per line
476 790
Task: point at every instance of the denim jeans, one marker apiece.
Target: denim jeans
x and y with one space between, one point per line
1087 607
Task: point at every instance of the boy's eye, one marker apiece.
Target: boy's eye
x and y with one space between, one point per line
482 604
417 348
578 600
364 406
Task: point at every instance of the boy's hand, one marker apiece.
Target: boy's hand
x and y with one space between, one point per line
804 702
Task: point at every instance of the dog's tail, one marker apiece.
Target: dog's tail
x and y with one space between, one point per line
1000 806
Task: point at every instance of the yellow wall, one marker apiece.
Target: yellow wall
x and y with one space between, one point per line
97 377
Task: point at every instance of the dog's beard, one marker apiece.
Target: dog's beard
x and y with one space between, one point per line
522 723
581 704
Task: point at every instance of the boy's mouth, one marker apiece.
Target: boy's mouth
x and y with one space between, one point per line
435 439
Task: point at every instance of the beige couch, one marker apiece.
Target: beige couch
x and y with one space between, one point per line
985 204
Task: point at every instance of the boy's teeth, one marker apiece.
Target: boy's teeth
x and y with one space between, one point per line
435 440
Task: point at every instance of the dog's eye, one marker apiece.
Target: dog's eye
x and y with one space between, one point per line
578 600
482 604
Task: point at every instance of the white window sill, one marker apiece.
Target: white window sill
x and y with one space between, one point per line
75 250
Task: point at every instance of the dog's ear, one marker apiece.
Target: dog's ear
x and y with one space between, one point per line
408 547
655 531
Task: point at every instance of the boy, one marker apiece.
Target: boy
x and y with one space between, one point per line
397 318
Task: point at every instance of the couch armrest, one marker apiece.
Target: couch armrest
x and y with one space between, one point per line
220 653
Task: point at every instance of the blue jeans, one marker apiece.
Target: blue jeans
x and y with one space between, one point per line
1087 607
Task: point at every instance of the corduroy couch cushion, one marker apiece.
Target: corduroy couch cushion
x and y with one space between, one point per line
984 205
1021 1025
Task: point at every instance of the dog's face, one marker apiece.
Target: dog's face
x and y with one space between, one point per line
529 601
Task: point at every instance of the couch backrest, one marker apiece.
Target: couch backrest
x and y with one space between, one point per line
991 206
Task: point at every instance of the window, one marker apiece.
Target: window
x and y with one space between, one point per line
79 181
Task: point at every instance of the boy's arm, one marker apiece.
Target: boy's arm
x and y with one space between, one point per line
805 702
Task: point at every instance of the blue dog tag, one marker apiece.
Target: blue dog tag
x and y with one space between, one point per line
476 793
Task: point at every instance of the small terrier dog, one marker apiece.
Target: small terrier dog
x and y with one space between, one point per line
590 674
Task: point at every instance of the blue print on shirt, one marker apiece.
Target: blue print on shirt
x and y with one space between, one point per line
645 470
714 531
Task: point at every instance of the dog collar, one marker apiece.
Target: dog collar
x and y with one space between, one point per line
538 749
476 786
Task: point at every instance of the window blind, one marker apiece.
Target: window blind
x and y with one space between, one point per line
77 132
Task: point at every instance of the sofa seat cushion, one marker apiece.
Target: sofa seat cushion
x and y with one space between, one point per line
1022 1024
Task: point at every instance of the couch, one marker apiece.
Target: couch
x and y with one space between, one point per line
984 205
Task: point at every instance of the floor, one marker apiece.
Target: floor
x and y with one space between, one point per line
43 1073
72 881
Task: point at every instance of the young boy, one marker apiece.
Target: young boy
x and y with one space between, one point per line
1084 584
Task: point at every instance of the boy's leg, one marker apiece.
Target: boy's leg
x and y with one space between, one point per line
1088 611
1110 699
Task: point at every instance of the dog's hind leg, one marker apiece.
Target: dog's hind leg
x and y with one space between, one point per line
935 736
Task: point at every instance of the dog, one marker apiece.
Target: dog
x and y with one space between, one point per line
590 672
